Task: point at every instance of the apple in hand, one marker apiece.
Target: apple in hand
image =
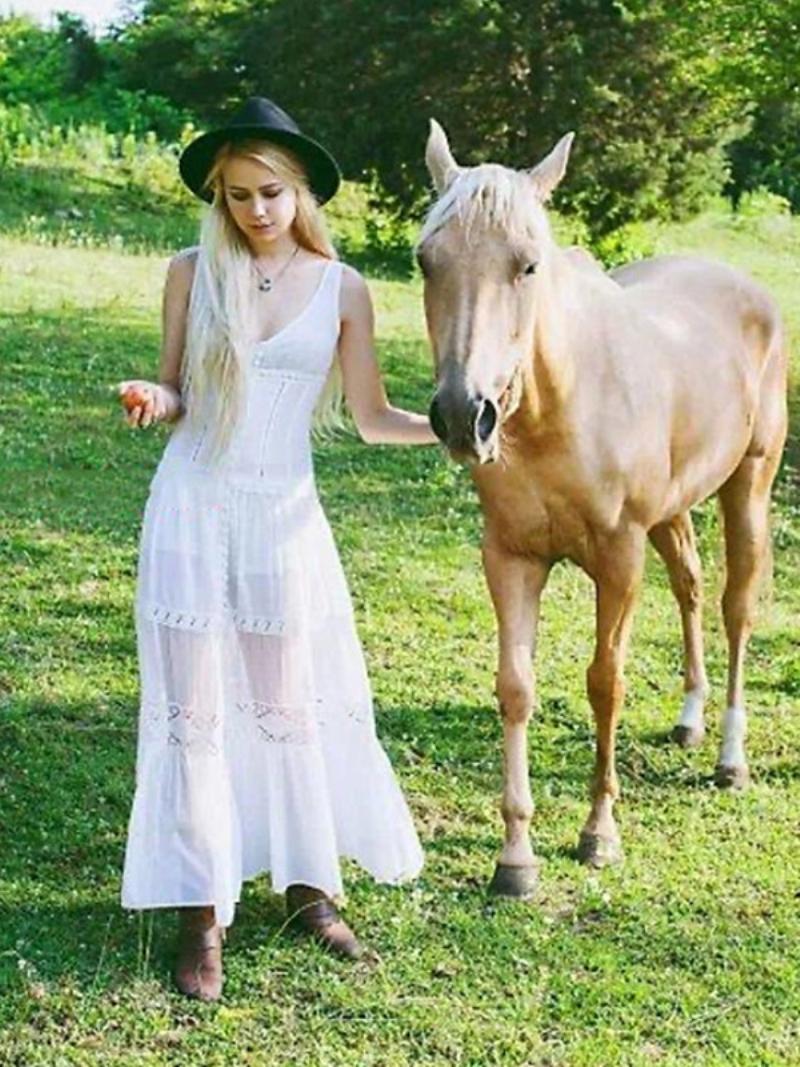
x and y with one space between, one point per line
133 397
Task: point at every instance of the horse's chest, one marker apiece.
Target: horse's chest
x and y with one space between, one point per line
544 517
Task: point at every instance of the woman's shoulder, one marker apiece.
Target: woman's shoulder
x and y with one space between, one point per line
353 282
349 274
185 259
180 269
355 302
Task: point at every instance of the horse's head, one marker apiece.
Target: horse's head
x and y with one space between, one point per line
483 250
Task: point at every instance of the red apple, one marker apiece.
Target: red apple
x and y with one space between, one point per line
133 397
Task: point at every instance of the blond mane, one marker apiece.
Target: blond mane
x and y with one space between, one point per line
489 196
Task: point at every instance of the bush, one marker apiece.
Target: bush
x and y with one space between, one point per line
83 184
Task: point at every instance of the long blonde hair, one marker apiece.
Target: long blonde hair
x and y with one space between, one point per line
220 323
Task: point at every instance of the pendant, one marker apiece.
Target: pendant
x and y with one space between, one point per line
265 286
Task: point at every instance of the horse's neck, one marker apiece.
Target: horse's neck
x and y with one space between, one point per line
549 375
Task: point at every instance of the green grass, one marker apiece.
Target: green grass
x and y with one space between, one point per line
684 955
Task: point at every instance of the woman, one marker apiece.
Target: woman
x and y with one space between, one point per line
257 749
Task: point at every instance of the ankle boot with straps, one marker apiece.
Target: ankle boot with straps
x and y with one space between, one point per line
198 969
313 912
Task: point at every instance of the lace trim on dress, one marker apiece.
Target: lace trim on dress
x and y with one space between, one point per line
283 723
261 364
258 624
177 618
183 619
295 723
183 727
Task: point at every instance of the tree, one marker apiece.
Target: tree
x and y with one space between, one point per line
763 62
83 59
505 78
32 61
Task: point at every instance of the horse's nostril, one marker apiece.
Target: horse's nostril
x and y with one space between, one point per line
486 421
438 425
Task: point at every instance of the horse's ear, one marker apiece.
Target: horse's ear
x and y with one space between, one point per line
547 174
439 159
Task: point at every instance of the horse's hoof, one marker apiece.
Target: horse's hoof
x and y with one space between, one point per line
732 777
597 851
688 736
517 882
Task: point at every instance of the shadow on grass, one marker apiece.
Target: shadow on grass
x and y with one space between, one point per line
66 787
101 946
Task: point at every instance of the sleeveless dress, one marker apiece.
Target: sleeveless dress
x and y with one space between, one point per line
256 748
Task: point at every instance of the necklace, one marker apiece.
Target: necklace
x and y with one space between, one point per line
266 283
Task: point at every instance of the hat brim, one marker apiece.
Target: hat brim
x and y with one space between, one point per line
324 176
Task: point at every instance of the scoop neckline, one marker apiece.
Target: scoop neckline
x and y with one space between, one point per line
267 340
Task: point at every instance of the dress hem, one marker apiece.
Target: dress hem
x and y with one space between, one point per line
335 894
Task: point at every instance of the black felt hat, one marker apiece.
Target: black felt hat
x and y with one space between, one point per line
260 118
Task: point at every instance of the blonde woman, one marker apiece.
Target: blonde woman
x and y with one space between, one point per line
257 748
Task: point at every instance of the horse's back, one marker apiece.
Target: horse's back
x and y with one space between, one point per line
721 296
677 270
675 284
700 346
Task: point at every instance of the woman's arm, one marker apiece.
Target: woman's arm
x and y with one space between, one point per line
377 421
163 401
174 311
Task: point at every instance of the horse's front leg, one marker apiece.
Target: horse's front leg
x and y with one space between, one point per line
617 578
515 584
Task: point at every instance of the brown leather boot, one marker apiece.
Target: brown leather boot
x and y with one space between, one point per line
198 969
311 911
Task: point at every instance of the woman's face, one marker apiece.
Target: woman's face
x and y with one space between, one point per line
261 205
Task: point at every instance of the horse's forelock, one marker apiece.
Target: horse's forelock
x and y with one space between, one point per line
489 196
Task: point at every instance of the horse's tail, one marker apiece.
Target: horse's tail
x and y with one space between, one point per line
768 436
772 426
767 576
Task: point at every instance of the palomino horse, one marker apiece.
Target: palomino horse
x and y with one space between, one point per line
595 410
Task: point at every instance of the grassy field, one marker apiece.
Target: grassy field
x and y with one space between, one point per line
687 954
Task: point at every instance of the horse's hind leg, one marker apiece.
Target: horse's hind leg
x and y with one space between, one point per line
674 541
745 507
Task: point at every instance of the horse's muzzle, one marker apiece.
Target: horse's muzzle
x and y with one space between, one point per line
467 426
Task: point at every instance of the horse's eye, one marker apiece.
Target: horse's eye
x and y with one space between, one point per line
530 269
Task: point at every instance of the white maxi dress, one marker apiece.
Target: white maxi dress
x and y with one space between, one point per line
256 748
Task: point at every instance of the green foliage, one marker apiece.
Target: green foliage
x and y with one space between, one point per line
505 80
754 57
636 240
190 51
670 102
85 184
37 65
762 203
69 78
33 61
121 111
770 154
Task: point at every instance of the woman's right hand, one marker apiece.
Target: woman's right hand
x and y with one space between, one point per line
143 402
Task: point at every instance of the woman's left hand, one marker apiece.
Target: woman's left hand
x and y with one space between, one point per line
377 421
